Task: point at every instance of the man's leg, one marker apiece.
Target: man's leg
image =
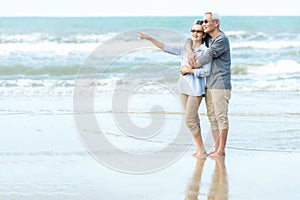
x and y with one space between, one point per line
212 118
216 136
220 150
221 101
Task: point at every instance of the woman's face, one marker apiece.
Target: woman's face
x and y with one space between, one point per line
197 33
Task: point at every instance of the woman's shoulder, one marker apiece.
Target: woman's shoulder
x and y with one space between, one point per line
201 48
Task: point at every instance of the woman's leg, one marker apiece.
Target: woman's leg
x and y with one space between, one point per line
193 123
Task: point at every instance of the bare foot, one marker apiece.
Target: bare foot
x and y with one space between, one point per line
216 154
200 154
197 152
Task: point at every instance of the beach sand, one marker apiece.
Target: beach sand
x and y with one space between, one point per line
243 175
42 157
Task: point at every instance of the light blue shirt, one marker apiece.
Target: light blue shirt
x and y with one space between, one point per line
191 84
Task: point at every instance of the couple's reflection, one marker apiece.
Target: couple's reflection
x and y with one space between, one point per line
218 187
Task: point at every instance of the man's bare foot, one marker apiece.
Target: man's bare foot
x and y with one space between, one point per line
216 154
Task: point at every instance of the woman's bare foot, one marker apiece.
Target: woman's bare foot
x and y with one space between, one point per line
200 154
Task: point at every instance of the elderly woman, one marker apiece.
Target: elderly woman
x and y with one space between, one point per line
191 81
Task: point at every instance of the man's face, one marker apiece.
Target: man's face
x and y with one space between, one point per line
208 24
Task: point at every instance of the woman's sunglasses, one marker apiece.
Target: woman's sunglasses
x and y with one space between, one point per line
197 31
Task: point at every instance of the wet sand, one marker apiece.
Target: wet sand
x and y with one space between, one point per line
42 157
240 175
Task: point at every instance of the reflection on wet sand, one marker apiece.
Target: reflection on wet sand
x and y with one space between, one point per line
219 185
193 188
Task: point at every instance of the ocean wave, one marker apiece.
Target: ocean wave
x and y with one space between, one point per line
283 75
261 36
21 72
278 67
50 83
265 44
245 35
45 47
66 88
36 37
47 42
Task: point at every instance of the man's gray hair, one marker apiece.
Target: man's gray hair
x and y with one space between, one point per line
215 16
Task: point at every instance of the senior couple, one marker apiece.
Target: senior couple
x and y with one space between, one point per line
211 62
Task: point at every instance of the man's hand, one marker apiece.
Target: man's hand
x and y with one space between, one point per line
185 70
191 55
191 58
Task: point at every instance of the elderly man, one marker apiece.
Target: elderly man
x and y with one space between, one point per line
218 83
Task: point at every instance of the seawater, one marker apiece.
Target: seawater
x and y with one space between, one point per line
42 57
46 53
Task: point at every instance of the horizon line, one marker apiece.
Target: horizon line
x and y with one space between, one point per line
225 15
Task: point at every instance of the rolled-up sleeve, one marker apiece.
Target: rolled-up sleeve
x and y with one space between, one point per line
174 50
215 50
203 71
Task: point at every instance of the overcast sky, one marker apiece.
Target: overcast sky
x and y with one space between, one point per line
147 8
